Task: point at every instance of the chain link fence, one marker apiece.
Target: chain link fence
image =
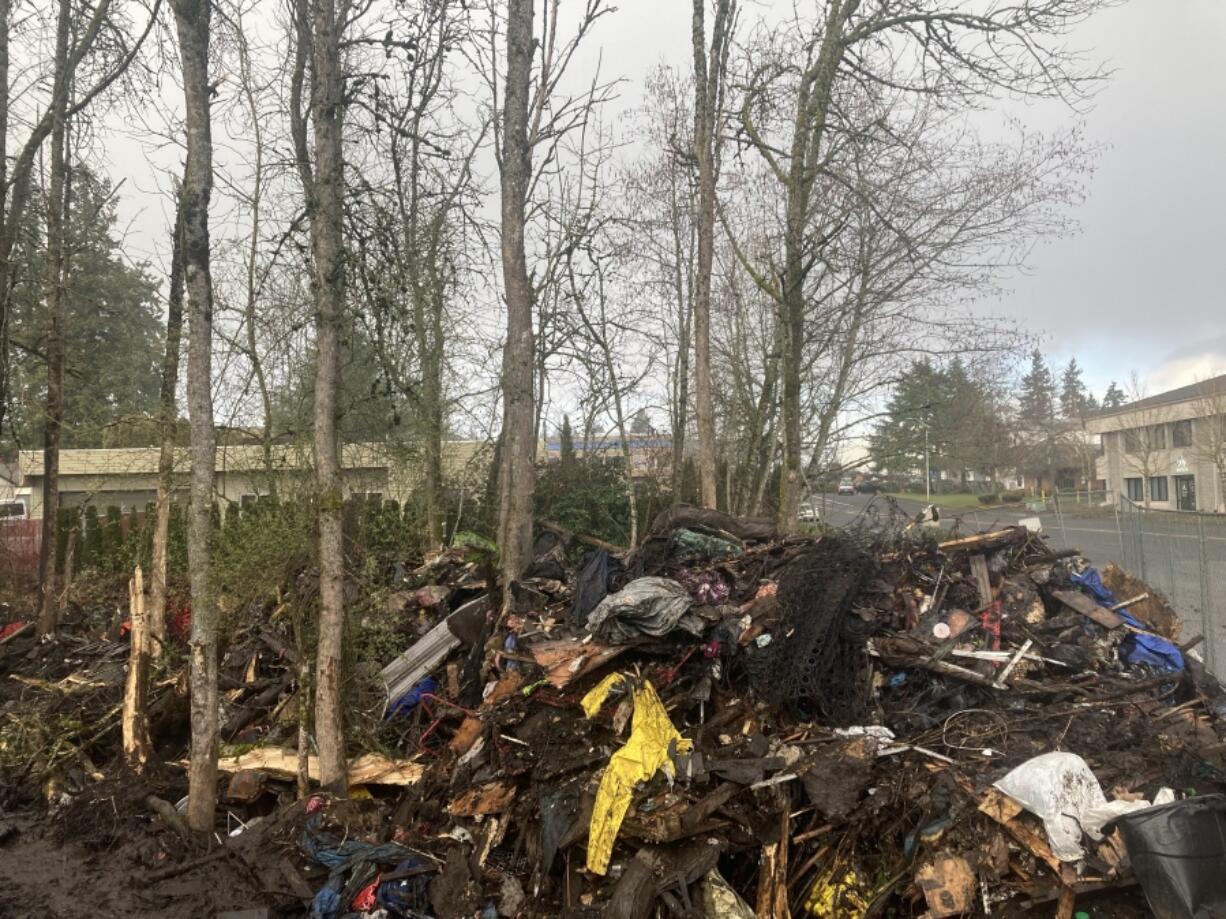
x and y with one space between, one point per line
1183 555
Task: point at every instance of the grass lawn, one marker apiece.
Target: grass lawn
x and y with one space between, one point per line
939 500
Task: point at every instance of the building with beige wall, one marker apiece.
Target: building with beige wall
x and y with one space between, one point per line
1167 451
127 477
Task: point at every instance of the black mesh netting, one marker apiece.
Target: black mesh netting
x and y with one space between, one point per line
816 661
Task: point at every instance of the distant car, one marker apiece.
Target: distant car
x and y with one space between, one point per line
847 487
809 513
868 487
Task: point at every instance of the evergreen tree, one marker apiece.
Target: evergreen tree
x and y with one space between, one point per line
566 443
1074 401
1037 400
914 408
112 329
1114 397
641 423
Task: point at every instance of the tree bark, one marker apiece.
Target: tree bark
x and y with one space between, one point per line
168 419
517 475
812 110
53 295
318 30
192 19
708 81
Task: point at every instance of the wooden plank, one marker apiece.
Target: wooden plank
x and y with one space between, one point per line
367 769
979 568
978 541
1005 811
1089 608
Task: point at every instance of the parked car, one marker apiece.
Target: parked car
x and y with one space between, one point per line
847 487
809 513
870 487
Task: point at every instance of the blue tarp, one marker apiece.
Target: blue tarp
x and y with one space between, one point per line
409 700
1150 650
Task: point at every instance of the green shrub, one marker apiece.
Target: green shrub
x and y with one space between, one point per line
1013 497
989 500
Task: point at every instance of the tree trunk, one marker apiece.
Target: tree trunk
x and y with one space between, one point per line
432 411
168 420
517 475
324 186
5 12
681 376
812 109
192 21
53 287
708 78
135 720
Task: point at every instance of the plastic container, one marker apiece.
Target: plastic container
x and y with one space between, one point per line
1178 852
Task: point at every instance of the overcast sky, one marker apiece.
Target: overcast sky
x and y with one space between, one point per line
1139 287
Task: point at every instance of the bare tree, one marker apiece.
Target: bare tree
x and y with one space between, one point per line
319 26
54 277
534 117
192 20
710 70
851 44
414 224
517 477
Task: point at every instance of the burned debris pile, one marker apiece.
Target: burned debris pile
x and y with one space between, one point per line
725 722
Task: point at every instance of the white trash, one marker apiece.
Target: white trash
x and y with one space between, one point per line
1062 791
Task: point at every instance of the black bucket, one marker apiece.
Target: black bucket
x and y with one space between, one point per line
1178 852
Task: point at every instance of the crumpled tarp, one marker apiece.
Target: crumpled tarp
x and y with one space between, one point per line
1149 649
693 546
592 583
1062 791
409 700
648 750
646 606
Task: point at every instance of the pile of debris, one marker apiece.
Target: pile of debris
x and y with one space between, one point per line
727 723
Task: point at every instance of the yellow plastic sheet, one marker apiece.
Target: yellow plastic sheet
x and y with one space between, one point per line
645 753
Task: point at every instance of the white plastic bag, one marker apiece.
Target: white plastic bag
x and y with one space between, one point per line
1061 790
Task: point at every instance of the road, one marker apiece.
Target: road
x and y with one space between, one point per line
1096 536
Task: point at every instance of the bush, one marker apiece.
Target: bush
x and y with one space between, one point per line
990 499
1013 497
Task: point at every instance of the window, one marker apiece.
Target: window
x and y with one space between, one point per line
1181 434
1157 437
1132 443
1134 489
1157 489
12 509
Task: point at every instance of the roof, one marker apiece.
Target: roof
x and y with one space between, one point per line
1214 386
144 460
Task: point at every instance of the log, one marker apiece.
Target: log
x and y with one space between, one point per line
569 536
367 769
